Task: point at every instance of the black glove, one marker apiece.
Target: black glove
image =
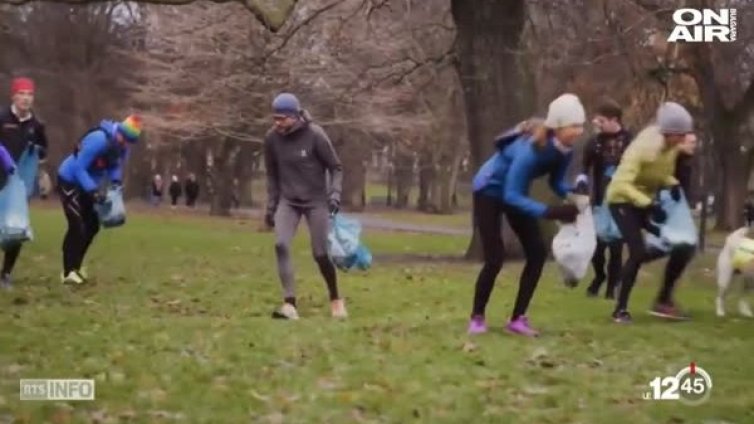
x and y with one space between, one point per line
657 213
334 206
562 213
675 193
269 219
581 188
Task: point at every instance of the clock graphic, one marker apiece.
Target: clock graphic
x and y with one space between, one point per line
695 385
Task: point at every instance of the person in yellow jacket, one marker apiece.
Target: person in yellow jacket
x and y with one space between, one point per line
647 166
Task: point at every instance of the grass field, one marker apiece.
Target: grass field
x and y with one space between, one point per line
176 328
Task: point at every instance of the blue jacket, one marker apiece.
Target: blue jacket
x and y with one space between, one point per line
98 156
508 174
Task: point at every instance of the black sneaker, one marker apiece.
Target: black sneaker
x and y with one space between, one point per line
622 317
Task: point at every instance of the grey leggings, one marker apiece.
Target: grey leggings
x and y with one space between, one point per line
287 219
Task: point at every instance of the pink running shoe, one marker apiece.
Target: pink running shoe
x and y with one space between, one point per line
477 325
521 326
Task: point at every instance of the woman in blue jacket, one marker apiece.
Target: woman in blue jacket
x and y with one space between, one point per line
501 186
100 155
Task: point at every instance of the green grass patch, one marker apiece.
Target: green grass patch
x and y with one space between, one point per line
176 328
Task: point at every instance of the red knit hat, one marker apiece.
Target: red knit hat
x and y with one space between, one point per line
22 84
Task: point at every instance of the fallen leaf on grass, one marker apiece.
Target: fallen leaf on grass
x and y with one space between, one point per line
469 347
327 384
595 363
257 396
13 369
166 415
275 418
535 390
127 414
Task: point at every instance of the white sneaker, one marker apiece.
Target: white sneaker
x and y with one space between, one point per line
73 277
287 311
338 309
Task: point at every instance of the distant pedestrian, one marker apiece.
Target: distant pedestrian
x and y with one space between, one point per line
175 190
191 189
156 191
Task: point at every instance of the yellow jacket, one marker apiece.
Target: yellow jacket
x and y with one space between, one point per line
646 167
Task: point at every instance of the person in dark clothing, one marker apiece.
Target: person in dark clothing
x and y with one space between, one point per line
648 166
601 155
298 157
155 191
501 187
191 189
19 130
100 155
175 191
748 212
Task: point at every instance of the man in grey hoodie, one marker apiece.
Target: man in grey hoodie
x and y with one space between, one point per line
298 156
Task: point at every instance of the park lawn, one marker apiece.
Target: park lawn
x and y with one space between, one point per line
455 221
176 328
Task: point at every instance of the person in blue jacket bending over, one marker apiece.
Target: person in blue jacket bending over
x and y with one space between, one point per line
100 155
501 187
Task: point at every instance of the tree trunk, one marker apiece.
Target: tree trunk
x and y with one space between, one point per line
404 179
427 181
489 35
220 165
735 171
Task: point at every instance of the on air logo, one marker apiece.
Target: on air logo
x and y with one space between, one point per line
704 26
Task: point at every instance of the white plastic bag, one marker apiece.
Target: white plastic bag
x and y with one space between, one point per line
112 213
574 244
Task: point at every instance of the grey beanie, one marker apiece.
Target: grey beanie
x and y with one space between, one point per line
674 119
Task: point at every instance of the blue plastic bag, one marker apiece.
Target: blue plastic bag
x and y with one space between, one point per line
605 226
112 212
27 168
679 229
15 226
607 229
344 245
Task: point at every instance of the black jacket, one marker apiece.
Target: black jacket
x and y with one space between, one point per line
602 151
16 135
175 189
191 189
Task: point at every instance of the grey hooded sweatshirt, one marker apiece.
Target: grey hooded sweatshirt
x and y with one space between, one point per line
297 164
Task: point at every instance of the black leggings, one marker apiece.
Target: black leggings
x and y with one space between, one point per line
488 214
613 266
12 251
631 221
83 225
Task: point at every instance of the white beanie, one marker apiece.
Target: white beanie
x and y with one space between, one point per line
565 111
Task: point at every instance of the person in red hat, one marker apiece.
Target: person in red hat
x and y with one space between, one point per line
19 130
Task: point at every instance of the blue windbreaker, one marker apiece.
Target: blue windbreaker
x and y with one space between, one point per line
508 174
99 156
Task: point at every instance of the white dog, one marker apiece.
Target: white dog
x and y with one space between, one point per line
736 258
